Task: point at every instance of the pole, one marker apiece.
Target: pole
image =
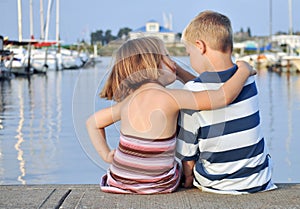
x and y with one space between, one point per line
271 18
290 18
20 19
42 19
48 20
31 19
57 24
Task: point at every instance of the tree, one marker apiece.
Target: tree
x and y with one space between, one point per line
249 32
123 32
108 37
280 33
97 37
178 36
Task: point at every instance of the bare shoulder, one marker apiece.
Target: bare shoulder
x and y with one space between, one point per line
154 94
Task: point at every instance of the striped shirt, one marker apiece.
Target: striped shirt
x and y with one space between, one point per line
143 166
227 144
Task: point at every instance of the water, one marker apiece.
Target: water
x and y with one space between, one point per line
43 139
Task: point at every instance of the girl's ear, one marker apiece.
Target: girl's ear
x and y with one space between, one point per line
201 46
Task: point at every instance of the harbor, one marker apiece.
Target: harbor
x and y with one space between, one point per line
24 58
44 139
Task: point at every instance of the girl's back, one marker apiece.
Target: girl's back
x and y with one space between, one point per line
150 112
144 161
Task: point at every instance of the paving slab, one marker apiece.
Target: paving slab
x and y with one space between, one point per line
90 196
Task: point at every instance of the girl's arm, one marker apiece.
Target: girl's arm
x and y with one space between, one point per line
213 99
96 129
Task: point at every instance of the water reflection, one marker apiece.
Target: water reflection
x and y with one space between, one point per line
58 105
31 113
280 113
19 135
290 121
4 101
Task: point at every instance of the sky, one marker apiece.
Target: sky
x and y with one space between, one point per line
79 18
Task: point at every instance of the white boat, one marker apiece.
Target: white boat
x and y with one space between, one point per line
259 61
290 63
45 59
18 62
5 73
71 59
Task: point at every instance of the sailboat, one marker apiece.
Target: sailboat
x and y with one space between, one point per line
292 60
5 72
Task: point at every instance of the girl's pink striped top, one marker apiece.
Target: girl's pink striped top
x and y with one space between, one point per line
143 166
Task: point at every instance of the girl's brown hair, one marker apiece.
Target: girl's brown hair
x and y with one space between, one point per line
136 62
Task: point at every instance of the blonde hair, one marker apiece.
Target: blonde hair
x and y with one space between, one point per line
136 62
213 28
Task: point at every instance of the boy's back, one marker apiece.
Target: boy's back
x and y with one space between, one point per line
227 143
225 148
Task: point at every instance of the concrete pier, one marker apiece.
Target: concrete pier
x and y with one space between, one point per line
90 196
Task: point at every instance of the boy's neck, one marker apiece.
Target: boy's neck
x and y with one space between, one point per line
219 62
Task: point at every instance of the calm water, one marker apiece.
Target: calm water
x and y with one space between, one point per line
42 126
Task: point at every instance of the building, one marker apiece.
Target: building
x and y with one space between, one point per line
153 28
292 41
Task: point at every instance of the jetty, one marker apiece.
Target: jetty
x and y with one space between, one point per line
90 196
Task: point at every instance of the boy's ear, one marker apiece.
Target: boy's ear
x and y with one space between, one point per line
201 45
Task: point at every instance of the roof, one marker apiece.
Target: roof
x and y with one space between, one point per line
152 21
161 29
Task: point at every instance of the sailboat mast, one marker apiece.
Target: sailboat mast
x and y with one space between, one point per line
271 18
31 19
290 18
42 19
57 20
48 20
20 19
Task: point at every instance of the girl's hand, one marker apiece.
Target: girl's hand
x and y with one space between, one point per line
244 64
110 156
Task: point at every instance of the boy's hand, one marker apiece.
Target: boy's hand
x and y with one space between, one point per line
188 181
188 173
244 64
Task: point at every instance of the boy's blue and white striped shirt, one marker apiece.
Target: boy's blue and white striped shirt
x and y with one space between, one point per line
227 143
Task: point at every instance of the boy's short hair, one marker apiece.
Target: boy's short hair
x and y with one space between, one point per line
213 28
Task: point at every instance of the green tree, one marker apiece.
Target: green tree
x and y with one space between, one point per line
97 37
123 32
108 37
249 32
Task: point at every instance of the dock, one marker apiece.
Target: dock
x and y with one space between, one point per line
90 196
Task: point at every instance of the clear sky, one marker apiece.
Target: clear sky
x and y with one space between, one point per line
78 18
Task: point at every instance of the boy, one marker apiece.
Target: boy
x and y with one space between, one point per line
223 150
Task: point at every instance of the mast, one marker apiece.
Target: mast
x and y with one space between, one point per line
271 18
48 20
31 19
42 19
20 19
57 20
290 18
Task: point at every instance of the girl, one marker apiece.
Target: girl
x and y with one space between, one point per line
144 162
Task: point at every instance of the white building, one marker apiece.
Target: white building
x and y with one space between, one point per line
152 28
292 40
